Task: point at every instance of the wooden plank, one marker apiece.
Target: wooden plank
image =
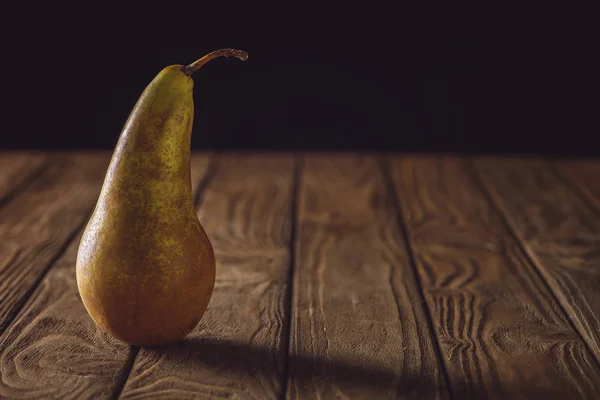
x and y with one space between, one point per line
558 228
584 175
359 329
502 333
16 169
236 350
36 224
53 349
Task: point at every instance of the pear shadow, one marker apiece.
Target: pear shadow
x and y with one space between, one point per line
260 362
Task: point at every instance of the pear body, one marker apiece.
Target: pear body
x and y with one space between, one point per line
145 266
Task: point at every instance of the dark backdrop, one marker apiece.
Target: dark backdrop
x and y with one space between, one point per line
504 76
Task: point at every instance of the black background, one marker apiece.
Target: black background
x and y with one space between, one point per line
463 76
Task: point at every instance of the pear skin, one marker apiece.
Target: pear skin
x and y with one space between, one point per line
145 266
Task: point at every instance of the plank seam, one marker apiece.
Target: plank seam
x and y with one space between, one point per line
134 350
205 180
287 329
393 195
537 266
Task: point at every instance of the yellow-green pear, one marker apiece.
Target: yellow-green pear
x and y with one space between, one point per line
145 266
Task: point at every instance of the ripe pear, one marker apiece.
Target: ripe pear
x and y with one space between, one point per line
145 266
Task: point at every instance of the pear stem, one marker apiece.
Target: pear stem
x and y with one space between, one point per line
196 65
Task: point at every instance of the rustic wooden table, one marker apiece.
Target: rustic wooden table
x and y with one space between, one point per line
338 276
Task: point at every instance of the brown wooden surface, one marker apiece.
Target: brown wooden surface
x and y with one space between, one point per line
338 276
559 228
359 329
38 223
18 169
496 320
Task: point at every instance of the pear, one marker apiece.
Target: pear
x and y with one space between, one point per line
145 266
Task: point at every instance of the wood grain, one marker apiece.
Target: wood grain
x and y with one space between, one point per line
53 349
584 175
36 224
359 329
502 334
559 229
16 169
236 351
499 279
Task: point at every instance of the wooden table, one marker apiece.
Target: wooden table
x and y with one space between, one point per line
338 276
